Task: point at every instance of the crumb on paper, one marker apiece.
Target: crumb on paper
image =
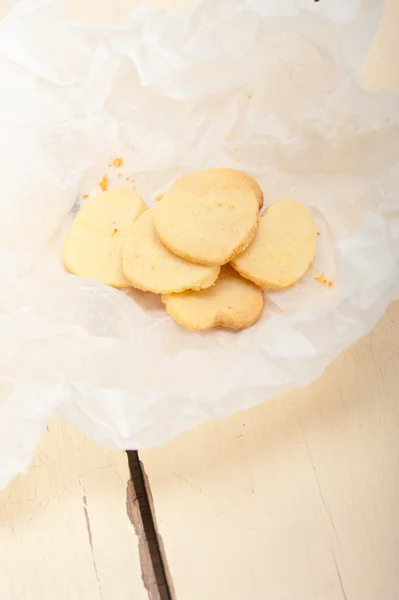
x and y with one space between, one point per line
280 169
114 232
318 232
119 174
104 183
321 279
324 281
159 197
85 196
117 162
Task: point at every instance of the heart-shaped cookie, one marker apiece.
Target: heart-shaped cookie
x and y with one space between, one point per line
150 266
209 229
282 249
94 243
232 302
200 182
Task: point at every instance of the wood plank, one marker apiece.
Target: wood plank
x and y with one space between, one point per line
381 67
64 529
296 498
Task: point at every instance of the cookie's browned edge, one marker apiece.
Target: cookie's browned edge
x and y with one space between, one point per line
140 511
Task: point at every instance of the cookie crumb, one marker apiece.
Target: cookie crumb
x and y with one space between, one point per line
318 232
159 197
117 162
119 174
85 196
321 279
114 232
104 183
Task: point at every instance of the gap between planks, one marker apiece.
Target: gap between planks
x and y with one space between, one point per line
140 510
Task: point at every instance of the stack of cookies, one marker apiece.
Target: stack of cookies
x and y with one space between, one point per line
203 247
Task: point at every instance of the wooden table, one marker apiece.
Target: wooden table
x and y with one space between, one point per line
65 533
296 499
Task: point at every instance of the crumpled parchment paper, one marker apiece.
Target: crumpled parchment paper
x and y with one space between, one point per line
265 86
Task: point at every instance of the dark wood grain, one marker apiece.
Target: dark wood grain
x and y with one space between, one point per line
140 513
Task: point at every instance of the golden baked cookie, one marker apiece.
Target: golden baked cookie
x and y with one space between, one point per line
232 302
209 229
283 248
93 246
200 182
150 266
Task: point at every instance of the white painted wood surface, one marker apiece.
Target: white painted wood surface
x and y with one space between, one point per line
296 499
64 529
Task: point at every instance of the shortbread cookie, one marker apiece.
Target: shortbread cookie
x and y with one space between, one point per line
232 302
201 182
150 266
210 229
93 246
283 247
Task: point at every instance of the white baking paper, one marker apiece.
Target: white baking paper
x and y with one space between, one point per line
266 86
